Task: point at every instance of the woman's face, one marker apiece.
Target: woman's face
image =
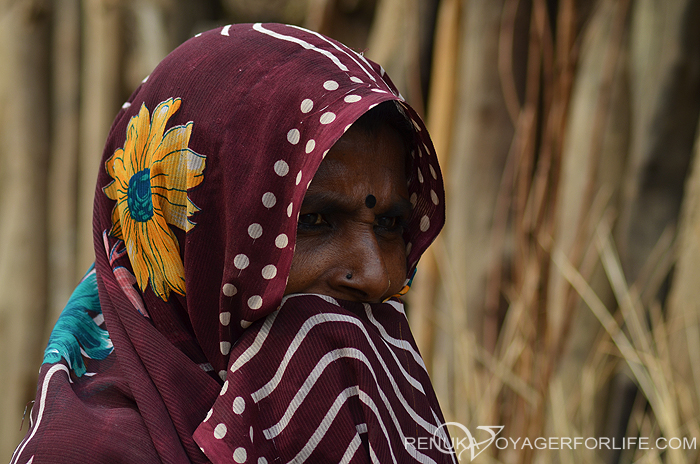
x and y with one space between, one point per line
349 237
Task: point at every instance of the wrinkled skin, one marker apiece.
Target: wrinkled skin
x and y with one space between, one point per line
344 248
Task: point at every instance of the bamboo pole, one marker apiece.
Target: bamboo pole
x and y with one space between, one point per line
422 298
24 30
684 302
63 164
100 101
394 41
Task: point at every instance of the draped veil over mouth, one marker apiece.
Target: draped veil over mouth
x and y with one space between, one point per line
189 357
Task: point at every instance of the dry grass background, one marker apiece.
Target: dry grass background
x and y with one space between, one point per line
562 298
547 306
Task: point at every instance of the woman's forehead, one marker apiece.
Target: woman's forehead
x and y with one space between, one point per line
364 163
382 149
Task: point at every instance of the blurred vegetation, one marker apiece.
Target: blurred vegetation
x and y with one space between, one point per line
561 299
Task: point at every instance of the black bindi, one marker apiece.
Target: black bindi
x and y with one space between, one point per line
370 201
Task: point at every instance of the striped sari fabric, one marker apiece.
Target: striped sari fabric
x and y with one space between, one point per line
322 380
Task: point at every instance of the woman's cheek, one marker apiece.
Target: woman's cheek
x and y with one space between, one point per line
395 261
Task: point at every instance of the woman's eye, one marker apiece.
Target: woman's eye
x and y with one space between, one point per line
311 219
389 222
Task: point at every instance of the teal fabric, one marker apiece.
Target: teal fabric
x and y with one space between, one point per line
76 333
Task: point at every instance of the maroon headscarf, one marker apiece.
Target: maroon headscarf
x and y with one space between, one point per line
195 218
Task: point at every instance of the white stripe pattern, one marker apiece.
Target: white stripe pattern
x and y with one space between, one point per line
315 374
325 424
403 344
301 335
352 449
373 455
257 344
369 73
309 380
259 27
397 306
44 388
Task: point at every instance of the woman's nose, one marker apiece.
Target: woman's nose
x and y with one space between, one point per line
361 274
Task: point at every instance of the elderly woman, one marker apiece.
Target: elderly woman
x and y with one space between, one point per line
265 197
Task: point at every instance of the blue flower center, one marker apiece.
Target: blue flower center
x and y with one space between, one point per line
138 196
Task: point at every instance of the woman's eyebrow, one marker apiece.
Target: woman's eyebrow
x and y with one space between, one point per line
327 202
399 208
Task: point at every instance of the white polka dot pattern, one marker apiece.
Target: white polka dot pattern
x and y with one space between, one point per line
255 231
307 105
424 223
281 241
330 85
241 261
293 136
310 145
225 347
269 272
229 290
238 405
225 318
255 302
281 168
220 431
327 118
240 455
269 200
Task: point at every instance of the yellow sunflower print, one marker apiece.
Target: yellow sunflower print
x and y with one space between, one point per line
152 174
